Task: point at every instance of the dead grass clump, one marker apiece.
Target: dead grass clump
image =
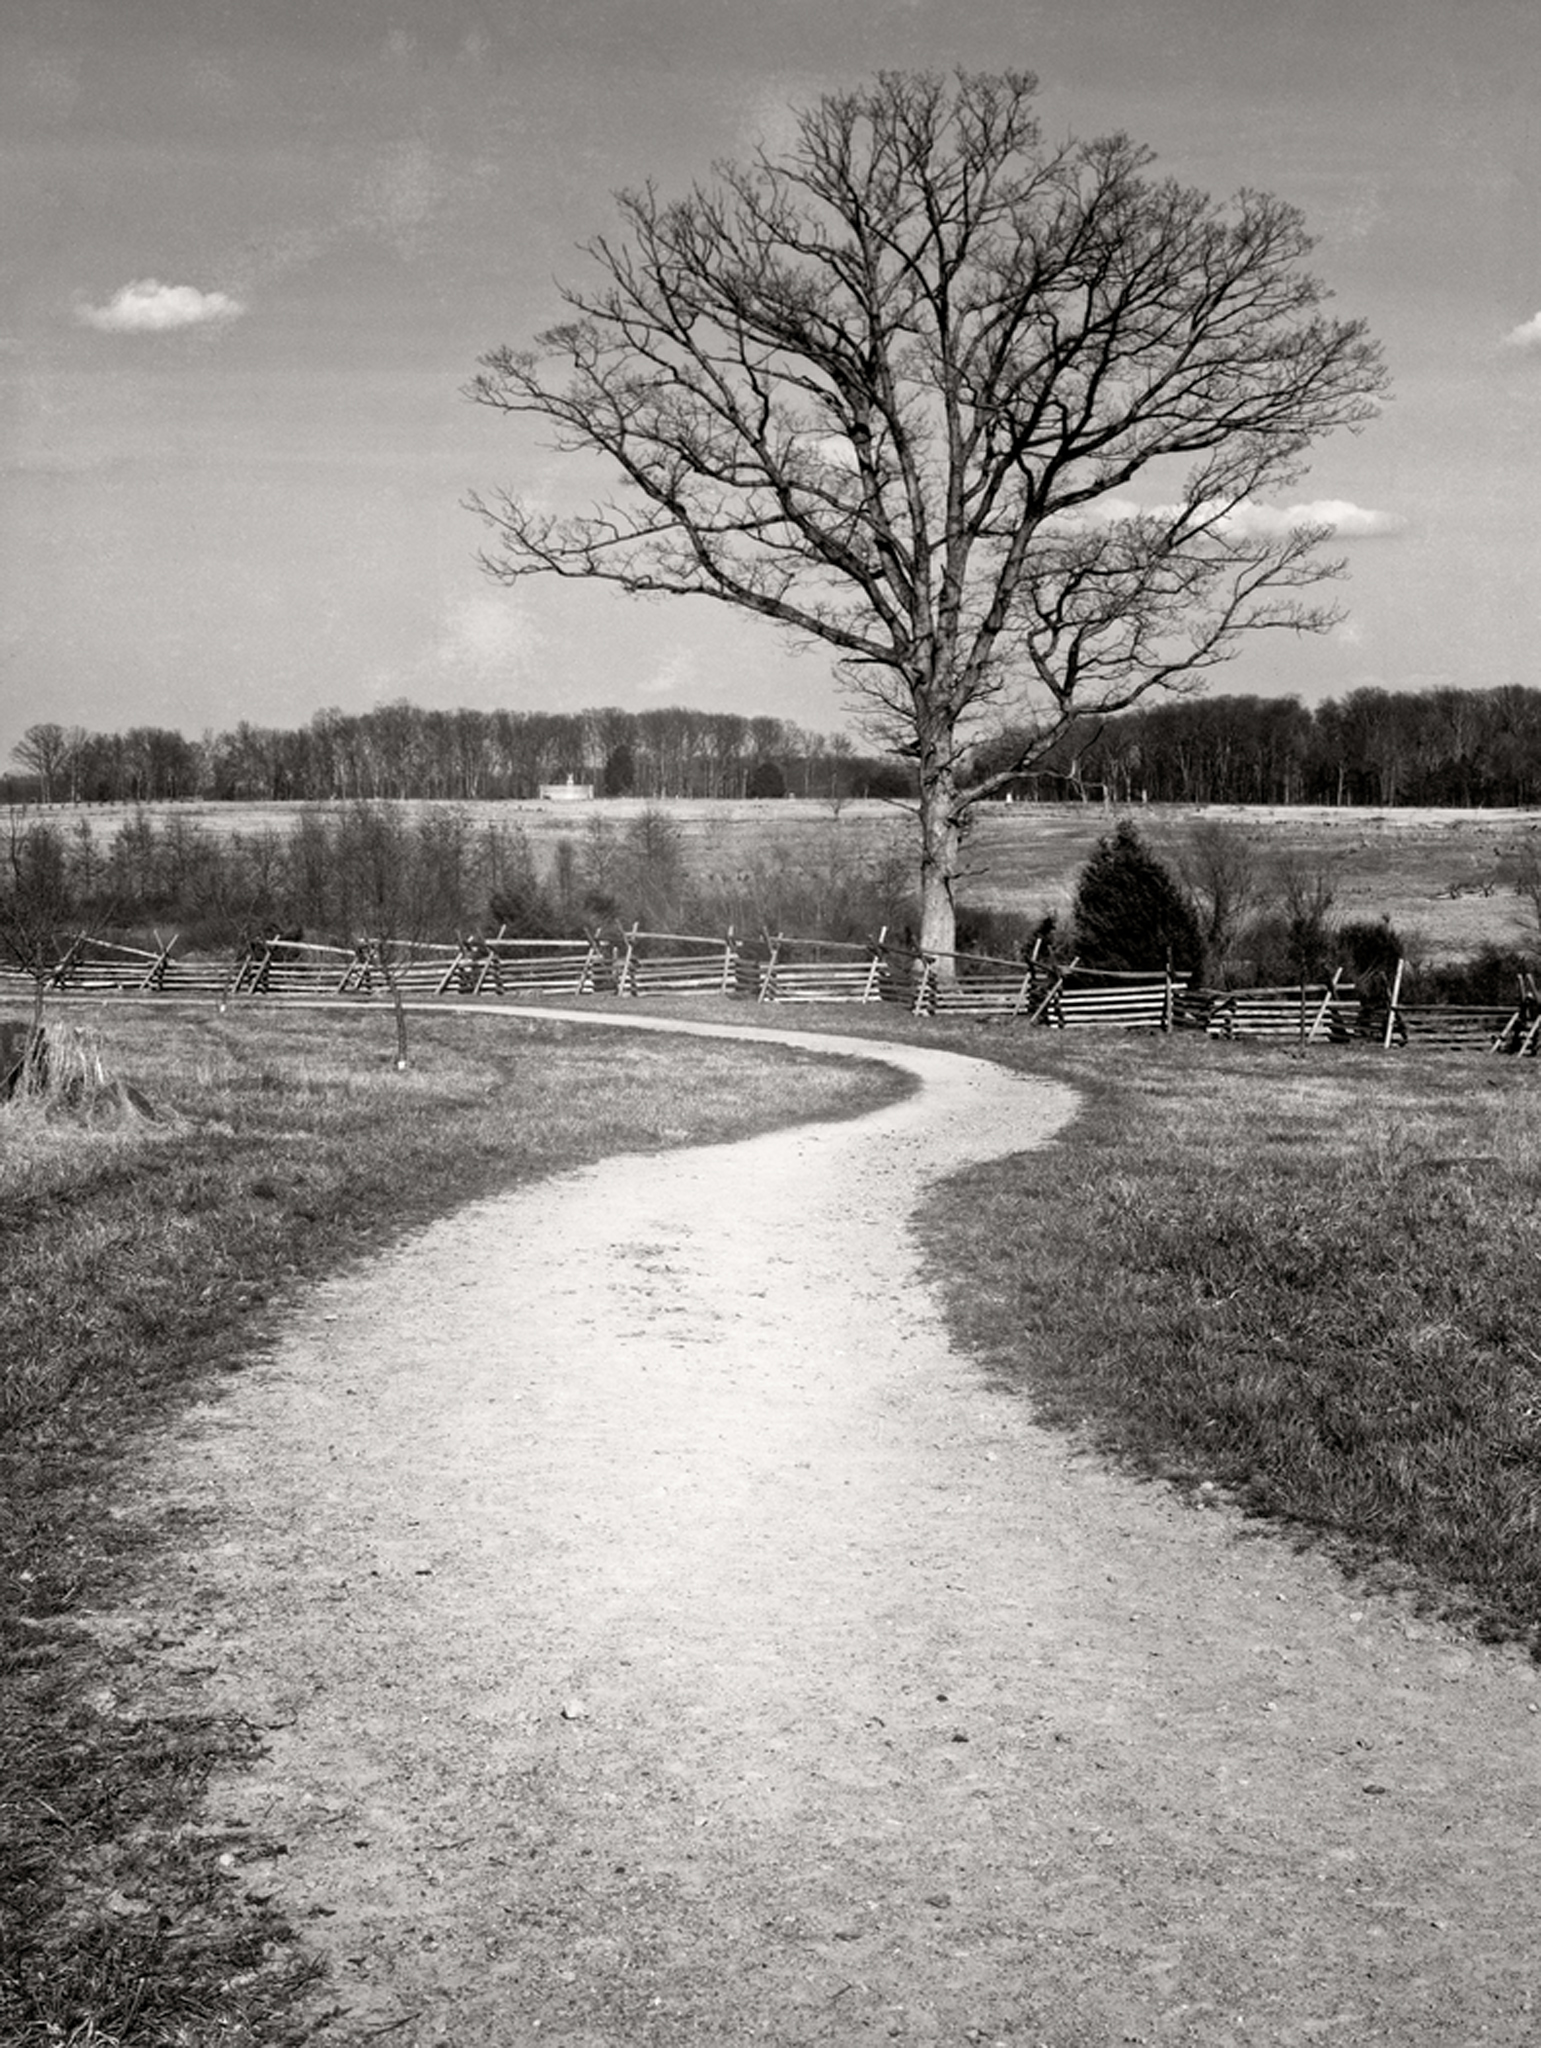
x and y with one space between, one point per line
59 1073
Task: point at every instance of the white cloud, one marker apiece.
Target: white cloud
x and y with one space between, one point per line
149 307
1526 336
1343 520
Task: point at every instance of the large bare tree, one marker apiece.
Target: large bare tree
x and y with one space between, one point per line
890 390
46 751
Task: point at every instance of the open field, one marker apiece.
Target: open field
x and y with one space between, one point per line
1425 870
1441 876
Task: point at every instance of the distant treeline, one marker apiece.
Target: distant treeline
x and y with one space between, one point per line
1379 747
377 868
401 750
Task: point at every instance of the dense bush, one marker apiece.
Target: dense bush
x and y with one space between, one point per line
1491 975
1130 911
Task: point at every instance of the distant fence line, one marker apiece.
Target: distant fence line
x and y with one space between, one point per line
777 969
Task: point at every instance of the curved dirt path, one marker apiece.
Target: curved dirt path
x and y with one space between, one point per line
663 1637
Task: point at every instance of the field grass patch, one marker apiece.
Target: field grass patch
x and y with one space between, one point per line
1317 1288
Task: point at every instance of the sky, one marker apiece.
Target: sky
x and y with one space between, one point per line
251 251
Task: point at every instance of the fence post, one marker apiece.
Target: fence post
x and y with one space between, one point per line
493 964
767 989
1326 1004
60 975
464 957
1056 984
1513 1023
1530 1005
1391 1007
380 951
924 1004
872 987
1024 993
156 978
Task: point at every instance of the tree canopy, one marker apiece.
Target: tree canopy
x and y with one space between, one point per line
889 391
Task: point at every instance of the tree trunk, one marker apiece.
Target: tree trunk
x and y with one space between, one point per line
940 844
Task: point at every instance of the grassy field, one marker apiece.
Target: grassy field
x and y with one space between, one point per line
1426 870
1441 877
1314 1288
142 1259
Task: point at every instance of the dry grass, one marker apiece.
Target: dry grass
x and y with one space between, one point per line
141 1258
1315 1287
1425 870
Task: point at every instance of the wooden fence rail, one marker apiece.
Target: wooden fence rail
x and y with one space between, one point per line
787 970
1310 1012
708 966
970 984
1059 998
530 967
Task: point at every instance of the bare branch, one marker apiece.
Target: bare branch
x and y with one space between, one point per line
889 391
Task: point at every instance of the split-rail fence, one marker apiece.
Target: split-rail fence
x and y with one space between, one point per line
775 969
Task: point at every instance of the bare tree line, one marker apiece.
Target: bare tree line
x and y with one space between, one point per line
1374 746
403 750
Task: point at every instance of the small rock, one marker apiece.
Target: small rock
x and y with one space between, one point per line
575 1710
